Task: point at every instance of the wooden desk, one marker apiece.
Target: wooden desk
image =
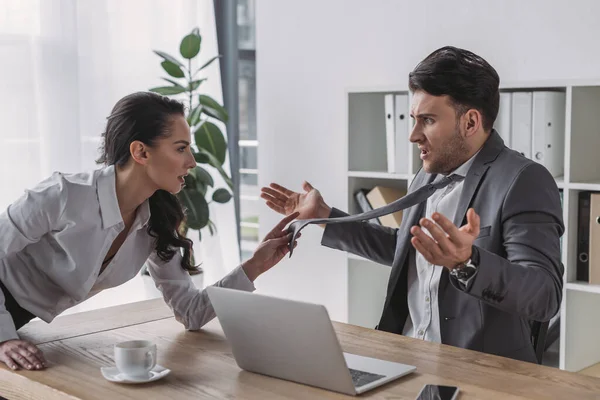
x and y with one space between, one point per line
203 367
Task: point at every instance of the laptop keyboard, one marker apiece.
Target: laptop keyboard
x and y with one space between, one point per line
361 378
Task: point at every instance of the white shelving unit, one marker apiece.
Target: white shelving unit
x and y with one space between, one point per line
366 166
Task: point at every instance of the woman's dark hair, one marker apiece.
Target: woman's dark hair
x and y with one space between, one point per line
145 116
464 76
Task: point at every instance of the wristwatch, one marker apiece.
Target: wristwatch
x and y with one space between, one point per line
467 269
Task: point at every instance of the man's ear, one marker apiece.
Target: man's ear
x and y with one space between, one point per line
472 122
139 152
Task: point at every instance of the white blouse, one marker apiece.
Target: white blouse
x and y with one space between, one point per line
53 241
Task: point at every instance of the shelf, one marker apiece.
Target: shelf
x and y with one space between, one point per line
592 186
583 287
378 175
560 182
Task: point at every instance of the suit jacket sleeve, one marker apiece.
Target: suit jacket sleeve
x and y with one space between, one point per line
528 281
374 242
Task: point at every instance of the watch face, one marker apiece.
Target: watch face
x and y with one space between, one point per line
465 271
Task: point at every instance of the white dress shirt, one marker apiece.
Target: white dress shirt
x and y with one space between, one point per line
53 241
423 321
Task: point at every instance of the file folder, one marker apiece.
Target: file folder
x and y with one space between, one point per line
503 120
548 130
594 241
390 132
522 103
401 133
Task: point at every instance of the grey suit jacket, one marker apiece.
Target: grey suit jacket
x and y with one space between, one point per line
519 278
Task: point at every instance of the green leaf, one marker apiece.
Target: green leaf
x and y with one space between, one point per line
203 176
201 158
175 83
168 90
212 228
190 46
168 57
196 208
206 64
209 137
172 69
212 108
194 116
194 84
213 162
221 196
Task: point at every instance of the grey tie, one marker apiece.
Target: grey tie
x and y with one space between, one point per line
411 199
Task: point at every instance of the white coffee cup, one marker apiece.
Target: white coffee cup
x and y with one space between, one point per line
135 358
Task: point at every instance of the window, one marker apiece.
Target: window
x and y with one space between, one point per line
248 143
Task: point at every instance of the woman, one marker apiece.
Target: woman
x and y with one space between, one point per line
75 235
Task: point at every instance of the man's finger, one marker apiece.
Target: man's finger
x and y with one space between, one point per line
426 241
272 199
307 186
282 189
474 221
275 194
438 234
421 249
447 225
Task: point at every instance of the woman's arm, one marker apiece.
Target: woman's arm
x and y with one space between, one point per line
32 215
191 306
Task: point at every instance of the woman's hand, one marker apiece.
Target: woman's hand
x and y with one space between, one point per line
271 250
17 354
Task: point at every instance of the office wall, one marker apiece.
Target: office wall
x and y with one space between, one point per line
309 52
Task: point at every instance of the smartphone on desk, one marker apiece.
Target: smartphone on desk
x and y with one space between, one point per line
438 392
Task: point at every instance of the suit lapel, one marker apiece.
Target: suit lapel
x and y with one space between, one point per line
490 151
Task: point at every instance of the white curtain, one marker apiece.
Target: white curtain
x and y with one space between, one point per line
65 63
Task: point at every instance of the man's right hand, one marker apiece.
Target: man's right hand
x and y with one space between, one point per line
18 354
309 204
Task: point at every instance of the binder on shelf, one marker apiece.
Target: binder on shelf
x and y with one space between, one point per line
548 127
390 132
401 133
502 124
594 241
380 196
363 203
583 237
521 113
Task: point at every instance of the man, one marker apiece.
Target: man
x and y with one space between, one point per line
482 285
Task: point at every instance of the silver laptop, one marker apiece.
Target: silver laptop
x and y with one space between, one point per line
295 341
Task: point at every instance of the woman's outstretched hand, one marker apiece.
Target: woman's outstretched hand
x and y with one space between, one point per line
271 250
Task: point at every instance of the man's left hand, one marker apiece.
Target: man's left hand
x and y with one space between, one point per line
448 245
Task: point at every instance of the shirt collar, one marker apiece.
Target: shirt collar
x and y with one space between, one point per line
463 170
107 197
109 204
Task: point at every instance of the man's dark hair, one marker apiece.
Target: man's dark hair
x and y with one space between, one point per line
466 78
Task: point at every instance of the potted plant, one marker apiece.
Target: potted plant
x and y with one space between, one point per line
210 146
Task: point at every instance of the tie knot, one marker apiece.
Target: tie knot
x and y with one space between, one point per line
445 181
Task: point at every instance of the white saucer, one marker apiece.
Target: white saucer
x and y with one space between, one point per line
112 374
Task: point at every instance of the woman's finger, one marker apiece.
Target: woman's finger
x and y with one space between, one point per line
19 359
30 357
